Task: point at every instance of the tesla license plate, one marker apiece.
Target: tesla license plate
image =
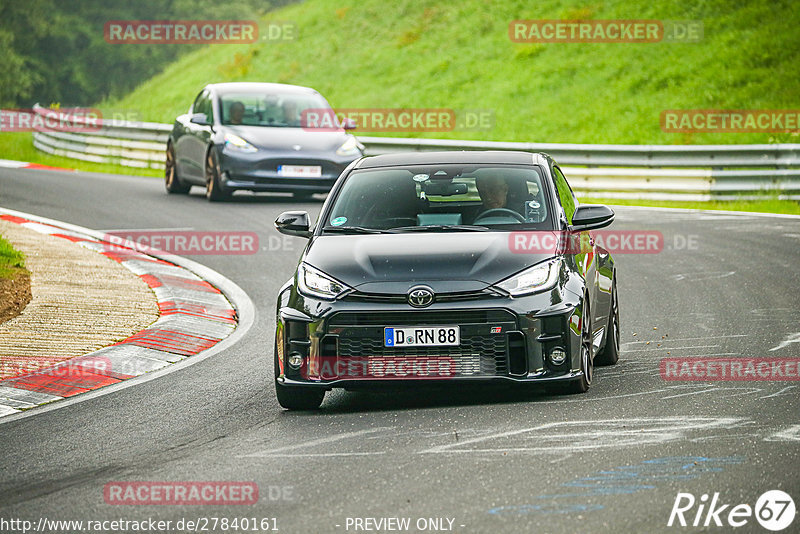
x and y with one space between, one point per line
415 336
300 171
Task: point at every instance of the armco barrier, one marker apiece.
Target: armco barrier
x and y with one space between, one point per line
659 172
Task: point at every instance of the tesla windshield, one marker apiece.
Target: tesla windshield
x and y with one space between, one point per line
259 109
447 197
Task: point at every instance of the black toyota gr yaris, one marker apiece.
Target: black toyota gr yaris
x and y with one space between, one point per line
448 267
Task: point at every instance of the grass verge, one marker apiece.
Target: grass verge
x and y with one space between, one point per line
18 146
12 261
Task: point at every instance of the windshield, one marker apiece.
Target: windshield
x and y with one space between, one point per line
441 198
276 110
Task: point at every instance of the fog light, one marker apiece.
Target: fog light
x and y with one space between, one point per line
295 360
558 355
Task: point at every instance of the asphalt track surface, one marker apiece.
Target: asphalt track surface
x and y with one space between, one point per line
492 460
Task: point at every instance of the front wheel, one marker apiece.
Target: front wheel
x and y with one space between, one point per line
297 397
214 191
172 181
581 385
610 353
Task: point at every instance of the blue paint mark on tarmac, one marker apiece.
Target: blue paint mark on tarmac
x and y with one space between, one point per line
622 480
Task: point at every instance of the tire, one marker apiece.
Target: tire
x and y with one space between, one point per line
296 397
610 353
172 181
581 385
214 191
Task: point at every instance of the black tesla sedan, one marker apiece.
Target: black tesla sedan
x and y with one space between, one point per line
448 267
253 136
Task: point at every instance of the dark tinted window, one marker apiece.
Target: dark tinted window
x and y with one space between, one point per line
498 197
565 195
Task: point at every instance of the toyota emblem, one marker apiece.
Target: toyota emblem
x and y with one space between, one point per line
420 296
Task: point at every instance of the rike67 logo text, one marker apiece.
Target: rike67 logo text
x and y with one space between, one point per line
774 510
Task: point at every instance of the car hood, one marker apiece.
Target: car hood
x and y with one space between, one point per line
447 262
290 138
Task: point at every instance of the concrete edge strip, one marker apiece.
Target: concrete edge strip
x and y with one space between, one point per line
12 164
200 313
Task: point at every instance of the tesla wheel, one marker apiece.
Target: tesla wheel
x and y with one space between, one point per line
172 181
581 385
297 397
610 353
214 191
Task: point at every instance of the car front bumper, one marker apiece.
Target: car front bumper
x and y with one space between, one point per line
503 340
259 171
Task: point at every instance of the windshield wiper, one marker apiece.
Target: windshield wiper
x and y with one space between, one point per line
441 228
351 230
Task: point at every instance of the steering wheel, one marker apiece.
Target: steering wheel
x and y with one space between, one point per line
499 211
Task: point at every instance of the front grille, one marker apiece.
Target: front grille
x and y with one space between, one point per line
477 355
440 297
481 353
420 317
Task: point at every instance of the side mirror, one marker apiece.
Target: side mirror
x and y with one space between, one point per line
199 118
293 223
349 124
591 217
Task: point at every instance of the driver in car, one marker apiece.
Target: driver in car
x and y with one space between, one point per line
237 112
493 191
497 194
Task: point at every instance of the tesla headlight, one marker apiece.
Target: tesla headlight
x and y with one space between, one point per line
351 147
313 282
237 143
537 278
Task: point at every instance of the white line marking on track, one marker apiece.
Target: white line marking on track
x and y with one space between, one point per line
778 393
791 338
790 433
598 434
312 454
313 442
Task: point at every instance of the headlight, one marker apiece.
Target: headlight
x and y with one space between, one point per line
351 147
237 143
537 278
315 283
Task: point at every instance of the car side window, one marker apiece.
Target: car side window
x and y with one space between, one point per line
209 108
565 195
203 105
197 107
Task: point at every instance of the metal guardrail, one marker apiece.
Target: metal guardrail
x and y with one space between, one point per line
656 172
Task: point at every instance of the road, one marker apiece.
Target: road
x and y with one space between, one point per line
485 460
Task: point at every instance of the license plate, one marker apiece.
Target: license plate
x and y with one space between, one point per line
421 336
300 171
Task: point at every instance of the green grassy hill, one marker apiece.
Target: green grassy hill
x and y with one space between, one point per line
457 54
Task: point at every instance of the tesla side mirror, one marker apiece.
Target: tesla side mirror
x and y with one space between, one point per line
293 223
349 124
199 118
591 217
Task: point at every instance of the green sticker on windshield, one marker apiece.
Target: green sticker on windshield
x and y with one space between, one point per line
338 221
